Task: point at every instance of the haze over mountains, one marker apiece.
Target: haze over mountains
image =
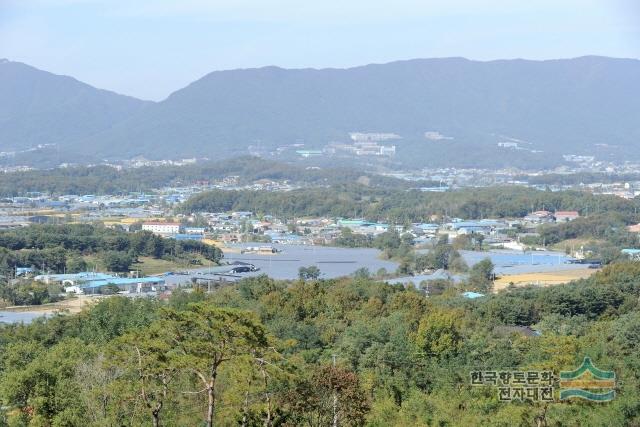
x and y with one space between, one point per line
37 107
540 109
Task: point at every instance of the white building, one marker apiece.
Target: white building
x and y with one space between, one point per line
194 230
162 227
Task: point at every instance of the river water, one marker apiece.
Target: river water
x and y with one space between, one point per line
19 316
332 262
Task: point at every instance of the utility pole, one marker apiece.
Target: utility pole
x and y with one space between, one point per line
335 398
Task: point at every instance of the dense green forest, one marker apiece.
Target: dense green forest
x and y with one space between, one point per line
58 248
108 180
266 352
386 204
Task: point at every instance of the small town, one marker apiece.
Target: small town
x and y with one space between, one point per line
241 233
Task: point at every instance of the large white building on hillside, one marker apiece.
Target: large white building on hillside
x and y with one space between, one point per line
162 227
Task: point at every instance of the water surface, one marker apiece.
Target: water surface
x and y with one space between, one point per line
20 316
332 262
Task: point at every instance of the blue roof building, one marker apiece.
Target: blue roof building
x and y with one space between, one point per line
126 285
196 237
89 282
472 295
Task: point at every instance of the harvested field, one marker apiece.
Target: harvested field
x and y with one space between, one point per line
543 278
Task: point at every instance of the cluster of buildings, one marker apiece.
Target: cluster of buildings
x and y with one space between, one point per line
516 144
117 209
174 230
94 283
364 148
360 144
361 148
562 178
504 233
227 228
240 226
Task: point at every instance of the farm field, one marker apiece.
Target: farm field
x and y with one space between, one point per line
543 278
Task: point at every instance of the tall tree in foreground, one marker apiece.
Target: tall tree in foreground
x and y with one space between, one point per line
205 337
481 276
147 357
330 396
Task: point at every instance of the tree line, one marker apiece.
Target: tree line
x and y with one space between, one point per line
401 206
306 352
59 248
109 180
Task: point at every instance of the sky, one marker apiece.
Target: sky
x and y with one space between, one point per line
150 48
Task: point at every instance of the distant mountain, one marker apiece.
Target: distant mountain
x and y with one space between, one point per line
505 112
37 107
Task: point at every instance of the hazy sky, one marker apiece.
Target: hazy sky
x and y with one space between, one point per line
149 48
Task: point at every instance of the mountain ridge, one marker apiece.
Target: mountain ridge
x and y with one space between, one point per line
583 105
38 107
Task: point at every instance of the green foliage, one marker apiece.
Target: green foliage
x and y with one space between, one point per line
309 273
312 399
401 206
109 289
29 293
40 383
117 261
608 226
261 353
349 239
441 256
59 248
144 359
107 180
204 338
439 333
481 276
76 264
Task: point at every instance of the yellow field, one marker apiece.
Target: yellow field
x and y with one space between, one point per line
129 221
213 242
133 220
72 305
542 279
43 212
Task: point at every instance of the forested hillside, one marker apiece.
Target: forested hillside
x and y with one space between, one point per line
399 206
267 352
37 107
109 180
